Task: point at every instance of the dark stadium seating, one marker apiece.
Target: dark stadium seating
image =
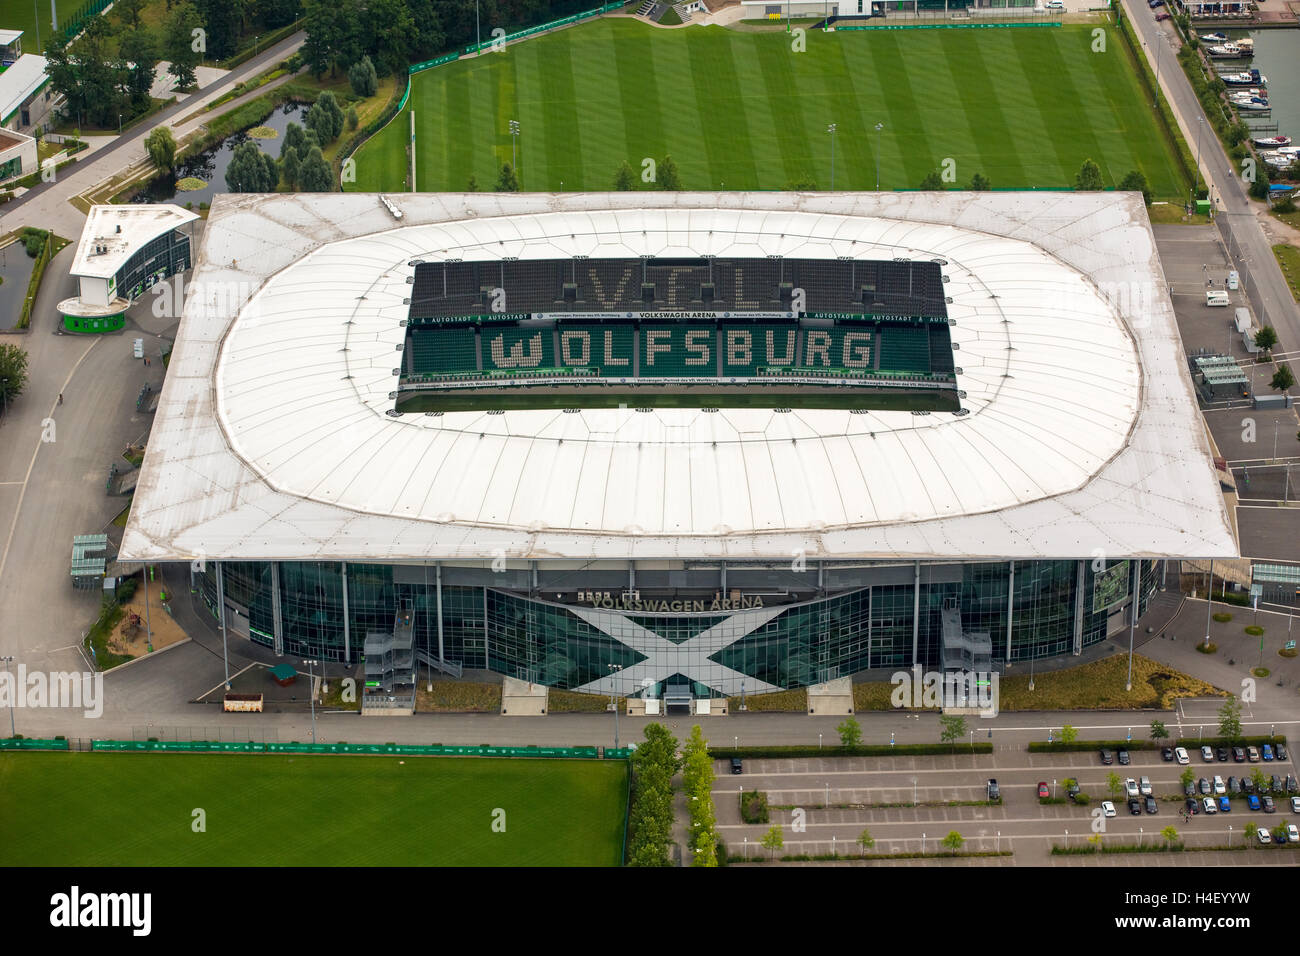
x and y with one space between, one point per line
905 349
517 348
679 361
442 351
745 347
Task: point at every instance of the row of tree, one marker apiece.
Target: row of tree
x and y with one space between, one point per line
650 820
697 780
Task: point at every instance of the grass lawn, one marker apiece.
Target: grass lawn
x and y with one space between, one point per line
1023 107
1288 257
21 15
135 810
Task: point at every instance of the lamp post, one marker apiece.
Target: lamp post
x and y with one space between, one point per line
913 791
879 127
4 390
998 845
119 124
514 146
7 662
1209 602
614 669
311 696
831 129
819 741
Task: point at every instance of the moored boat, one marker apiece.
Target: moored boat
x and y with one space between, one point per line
1272 142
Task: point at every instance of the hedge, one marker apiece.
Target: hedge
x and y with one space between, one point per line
34 284
914 750
1060 747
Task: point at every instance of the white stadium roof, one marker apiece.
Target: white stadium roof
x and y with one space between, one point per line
272 440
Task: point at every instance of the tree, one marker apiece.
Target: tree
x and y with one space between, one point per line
387 29
353 120
1230 719
161 147
333 35
362 78
506 181
1114 784
1259 188
13 371
1252 833
953 841
89 78
1282 378
315 175
850 732
773 840
251 171
1266 338
472 185
128 11
1187 776
805 184
1089 178
1136 182
932 181
980 183
668 177
291 169
1260 780
178 44
650 821
866 841
1069 734
625 179
325 118
951 729
222 20
1095 840
1238 132
1169 833
1158 731
139 51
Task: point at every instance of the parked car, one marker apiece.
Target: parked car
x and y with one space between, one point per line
1234 785
1043 790
1267 801
1292 834
1295 804
1292 785
1239 754
1263 836
1054 5
1161 16
1222 754
1252 801
1247 785
1192 804
1144 786
1224 805
1210 806
1106 757
1276 784
1189 789
1280 750
1131 787
1279 838
1151 805
1072 791
1267 752
1180 754
737 766
1167 754
994 792
1203 786
1107 808
1123 757
1219 786
1134 807
1252 754
1207 754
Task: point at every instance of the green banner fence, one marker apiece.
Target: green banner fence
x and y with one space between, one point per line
31 743
410 750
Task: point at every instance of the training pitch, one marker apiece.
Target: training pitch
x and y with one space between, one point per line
1023 107
137 810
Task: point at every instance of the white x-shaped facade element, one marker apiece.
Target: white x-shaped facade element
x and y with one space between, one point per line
690 658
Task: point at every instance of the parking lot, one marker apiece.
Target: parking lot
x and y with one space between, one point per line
877 793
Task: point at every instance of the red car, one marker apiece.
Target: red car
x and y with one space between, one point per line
1161 16
1043 790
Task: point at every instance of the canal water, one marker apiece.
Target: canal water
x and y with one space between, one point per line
16 271
1277 56
210 165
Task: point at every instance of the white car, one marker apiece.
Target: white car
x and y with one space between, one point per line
1264 836
1054 5
1107 808
1131 787
1207 754
1292 834
1295 804
1180 754
1144 785
1220 787
1210 806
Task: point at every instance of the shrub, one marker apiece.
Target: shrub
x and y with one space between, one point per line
753 807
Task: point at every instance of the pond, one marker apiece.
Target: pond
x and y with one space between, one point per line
210 165
16 271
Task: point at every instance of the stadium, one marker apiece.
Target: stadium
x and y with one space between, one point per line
676 444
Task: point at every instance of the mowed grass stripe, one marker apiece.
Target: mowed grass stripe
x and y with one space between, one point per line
855 158
766 125
602 122
790 133
722 112
453 128
557 111
684 135
1068 142
310 811
906 145
1123 89
1017 76
1098 134
638 88
842 109
983 108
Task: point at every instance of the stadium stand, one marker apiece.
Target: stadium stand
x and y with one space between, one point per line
520 349
678 349
442 352
905 350
751 346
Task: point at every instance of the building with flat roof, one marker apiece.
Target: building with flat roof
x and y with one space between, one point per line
124 251
25 96
18 155
734 545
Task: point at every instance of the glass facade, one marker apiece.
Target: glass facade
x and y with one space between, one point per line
1056 608
159 258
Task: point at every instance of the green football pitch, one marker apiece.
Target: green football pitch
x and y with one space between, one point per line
739 110
136 810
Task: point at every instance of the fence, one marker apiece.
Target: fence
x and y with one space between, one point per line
32 743
73 25
294 747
